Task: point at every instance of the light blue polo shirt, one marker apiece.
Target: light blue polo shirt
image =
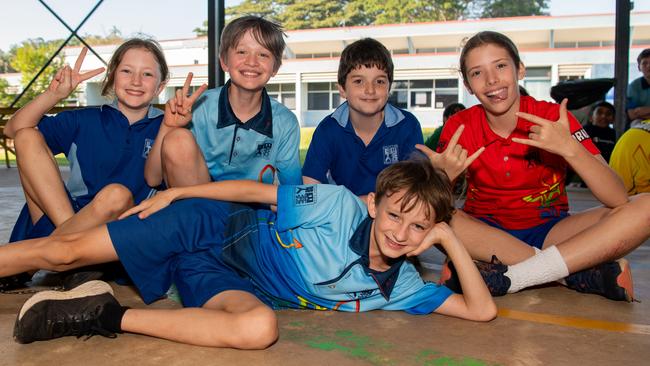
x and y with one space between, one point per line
336 149
260 149
638 93
315 255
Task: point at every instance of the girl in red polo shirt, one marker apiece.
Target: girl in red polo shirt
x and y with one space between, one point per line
515 151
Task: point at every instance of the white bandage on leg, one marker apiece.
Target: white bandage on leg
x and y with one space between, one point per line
545 266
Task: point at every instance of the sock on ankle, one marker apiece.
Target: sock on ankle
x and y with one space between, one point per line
545 266
111 317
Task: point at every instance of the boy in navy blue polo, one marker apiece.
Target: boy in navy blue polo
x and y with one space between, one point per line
365 134
107 146
236 131
323 250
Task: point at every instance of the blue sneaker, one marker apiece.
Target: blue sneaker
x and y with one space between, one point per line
493 274
612 280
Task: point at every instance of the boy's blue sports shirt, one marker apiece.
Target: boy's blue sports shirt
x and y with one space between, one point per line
264 147
314 254
336 148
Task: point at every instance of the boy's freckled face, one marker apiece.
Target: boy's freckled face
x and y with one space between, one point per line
249 64
396 233
366 90
137 79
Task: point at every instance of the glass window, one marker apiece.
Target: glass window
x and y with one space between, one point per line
447 83
318 86
318 101
289 100
420 84
421 99
399 98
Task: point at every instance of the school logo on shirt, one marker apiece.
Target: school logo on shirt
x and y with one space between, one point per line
305 196
263 150
148 143
390 154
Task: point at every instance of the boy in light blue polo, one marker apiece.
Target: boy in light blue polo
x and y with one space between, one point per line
236 131
323 250
365 134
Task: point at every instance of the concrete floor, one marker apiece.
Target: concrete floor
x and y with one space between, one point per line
544 326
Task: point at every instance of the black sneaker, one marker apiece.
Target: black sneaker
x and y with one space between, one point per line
493 274
15 282
54 314
612 280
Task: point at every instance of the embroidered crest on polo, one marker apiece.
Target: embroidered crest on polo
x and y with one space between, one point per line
264 149
391 154
148 144
305 195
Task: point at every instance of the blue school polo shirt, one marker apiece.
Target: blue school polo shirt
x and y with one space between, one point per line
102 148
261 149
314 254
336 149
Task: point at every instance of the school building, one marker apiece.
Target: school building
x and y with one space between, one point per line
553 48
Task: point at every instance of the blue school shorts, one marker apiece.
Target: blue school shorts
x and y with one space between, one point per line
179 244
533 236
24 228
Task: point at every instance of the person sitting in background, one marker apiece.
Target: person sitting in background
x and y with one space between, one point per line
450 110
638 92
598 128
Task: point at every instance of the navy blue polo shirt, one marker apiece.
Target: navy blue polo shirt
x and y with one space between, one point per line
102 148
263 148
337 151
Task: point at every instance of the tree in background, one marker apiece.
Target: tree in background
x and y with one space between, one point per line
510 8
312 14
28 58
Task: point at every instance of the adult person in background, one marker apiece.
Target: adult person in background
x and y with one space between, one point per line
638 92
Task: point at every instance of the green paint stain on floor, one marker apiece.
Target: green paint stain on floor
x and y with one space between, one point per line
435 358
352 345
364 348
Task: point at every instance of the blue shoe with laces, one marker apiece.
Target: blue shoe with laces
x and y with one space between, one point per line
493 274
612 280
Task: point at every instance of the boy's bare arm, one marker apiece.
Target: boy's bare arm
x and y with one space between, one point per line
475 303
245 191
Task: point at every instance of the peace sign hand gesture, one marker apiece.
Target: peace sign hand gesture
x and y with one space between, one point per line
67 79
554 137
454 159
178 110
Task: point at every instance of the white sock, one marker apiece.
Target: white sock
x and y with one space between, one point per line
545 266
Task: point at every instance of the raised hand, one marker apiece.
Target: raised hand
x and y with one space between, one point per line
67 79
178 110
454 159
554 137
440 233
